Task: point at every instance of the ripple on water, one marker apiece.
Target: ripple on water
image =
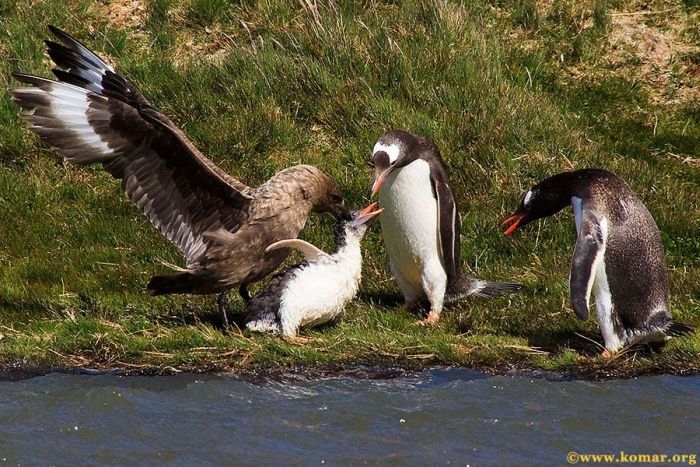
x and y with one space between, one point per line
452 415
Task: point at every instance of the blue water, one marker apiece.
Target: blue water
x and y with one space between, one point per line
443 416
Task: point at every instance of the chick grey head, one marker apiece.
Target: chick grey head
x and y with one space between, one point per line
355 223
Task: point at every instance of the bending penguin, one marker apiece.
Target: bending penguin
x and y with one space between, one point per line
618 254
420 224
316 290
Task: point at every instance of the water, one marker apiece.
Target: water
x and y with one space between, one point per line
441 416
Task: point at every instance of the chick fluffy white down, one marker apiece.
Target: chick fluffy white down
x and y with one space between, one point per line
319 292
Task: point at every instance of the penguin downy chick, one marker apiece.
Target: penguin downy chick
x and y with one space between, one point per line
420 224
316 290
618 254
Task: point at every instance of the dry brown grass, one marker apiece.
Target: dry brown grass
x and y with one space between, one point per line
650 42
654 49
126 14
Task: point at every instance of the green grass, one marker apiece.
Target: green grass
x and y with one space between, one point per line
510 91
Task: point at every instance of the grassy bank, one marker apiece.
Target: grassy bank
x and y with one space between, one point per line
511 91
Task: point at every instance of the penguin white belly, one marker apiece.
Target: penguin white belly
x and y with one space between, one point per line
604 308
319 292
410 224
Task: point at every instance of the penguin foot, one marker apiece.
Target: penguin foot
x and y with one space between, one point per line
608 354
432 319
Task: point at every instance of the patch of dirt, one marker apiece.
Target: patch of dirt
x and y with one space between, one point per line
209 44
655 42
123 13
213 46
653 48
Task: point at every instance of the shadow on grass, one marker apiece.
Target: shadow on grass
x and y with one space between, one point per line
587 344
28 308
383 298
193 317
583 343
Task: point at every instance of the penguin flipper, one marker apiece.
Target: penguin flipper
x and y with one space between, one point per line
588 254
448 225
310 252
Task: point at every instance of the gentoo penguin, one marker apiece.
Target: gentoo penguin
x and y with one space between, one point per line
316 290
420 224
618 254
221 226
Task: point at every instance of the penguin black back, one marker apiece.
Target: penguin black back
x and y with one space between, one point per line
553 194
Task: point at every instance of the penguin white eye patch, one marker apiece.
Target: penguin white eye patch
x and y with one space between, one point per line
392 151
528 197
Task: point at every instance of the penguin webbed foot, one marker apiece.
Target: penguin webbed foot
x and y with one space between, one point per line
431 320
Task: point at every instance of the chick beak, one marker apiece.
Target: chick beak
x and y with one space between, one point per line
367 214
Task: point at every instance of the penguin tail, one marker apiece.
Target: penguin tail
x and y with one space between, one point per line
265 324
496 289
679 329
263 310
465 286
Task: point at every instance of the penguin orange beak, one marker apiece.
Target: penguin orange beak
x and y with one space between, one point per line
514 220
379 179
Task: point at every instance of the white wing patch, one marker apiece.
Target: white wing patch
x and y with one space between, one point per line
69 104
392 150
604 305
586 261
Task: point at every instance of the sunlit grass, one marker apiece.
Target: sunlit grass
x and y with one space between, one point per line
509 92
